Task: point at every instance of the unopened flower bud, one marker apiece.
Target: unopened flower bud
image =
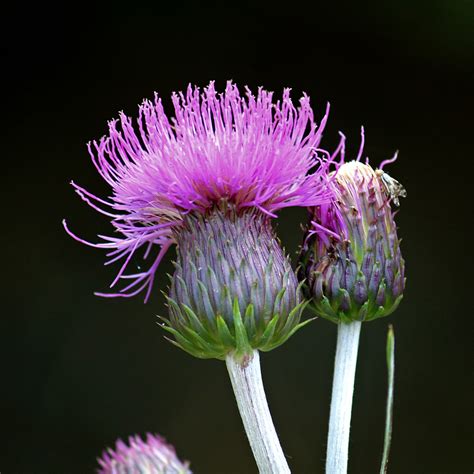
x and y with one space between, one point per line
351 256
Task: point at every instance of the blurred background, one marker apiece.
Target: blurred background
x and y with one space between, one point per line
79 371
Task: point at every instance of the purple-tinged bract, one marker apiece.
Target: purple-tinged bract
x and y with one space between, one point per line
351 258
250 151
233 289
152 456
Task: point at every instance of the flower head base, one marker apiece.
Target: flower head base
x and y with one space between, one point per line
351 256
250 151
233 289
153 456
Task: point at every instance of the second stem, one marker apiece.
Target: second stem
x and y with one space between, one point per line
341 401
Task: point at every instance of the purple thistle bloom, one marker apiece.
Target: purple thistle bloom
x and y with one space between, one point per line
351 257
153 456
250 152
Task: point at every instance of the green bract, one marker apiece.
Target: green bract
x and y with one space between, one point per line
233 289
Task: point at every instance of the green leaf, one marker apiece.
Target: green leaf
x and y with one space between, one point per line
389 409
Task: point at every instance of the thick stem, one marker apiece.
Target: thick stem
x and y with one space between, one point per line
247 383
341 402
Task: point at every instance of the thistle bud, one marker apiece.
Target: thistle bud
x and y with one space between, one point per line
233 288
351 255
153 456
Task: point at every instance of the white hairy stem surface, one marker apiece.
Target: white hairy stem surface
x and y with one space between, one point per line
248 388
342 394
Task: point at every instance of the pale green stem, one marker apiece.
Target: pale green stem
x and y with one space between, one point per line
389 408
248 388
342 393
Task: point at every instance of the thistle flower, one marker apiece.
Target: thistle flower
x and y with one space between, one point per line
153 456
351 254
210 180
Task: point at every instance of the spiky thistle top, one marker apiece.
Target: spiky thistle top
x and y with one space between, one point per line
249 150
152 456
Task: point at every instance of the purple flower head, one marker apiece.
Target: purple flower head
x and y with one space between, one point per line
351 257
153 456
248 151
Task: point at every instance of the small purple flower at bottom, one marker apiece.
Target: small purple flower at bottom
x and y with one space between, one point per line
153 456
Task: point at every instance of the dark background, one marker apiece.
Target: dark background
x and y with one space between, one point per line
79 371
